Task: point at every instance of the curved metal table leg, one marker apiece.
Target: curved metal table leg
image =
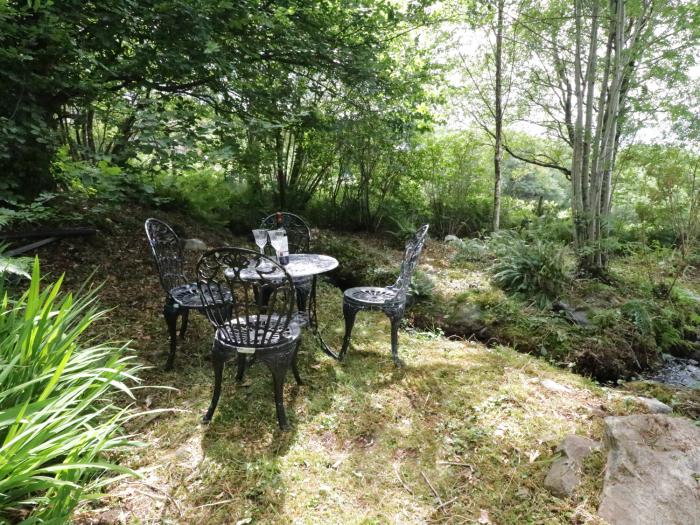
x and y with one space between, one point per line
313 321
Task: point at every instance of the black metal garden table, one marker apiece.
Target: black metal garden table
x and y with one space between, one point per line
309 266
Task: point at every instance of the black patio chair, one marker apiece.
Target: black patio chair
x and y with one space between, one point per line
298 232
181 295
391 300
299 239
249 299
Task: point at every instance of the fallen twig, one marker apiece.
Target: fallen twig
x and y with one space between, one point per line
456 464
168 496
440 507
435 492
403 483
222 502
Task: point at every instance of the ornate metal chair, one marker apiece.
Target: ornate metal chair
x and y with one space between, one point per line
298 232
249 299
299 238
180 295
391 300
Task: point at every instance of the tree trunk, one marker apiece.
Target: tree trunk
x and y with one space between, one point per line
498 150
280 170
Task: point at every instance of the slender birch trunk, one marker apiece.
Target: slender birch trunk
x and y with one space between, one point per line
498 149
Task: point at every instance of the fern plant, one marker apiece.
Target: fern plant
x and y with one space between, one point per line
537 270
638 313
17 266
471 250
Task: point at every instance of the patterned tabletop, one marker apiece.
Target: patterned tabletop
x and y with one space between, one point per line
301 265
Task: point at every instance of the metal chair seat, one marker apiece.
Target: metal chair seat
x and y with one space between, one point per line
187 295
247 334
181 296
371 296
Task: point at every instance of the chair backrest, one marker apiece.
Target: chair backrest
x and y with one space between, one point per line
247 295
298 232
411 254
167 252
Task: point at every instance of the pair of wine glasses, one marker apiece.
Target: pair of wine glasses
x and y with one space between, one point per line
277 240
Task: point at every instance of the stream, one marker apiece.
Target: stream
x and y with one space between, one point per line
677 372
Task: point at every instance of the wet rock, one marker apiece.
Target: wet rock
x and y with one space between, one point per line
652 472
678 372
565 473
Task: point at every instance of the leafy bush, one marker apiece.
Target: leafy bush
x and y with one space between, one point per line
56 418
639 314
538 269
16 211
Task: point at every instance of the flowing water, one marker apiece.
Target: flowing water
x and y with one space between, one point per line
678 372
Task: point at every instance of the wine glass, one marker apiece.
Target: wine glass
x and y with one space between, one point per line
276 240
260 239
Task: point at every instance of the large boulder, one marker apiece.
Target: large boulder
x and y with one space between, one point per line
653 471
565 473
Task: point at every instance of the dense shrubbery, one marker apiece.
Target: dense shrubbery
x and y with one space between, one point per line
57 422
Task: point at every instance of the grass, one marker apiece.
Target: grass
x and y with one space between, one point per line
462 434
368 440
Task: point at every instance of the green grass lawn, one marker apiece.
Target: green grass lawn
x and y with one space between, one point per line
462 433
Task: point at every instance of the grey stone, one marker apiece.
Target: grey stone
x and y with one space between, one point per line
452 238
574 315
565 473
523 493
555 387
195 245
653 471
580 317
654 406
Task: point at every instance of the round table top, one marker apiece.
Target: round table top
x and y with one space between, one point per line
301 265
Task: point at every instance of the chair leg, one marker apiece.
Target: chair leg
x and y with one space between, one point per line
278 375
218 361
170 311
395 322
242 366
349 313
295 369
185 317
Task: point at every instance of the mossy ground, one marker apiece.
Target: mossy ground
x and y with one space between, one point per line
463 434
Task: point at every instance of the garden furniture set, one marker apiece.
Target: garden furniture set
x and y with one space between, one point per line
258 306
